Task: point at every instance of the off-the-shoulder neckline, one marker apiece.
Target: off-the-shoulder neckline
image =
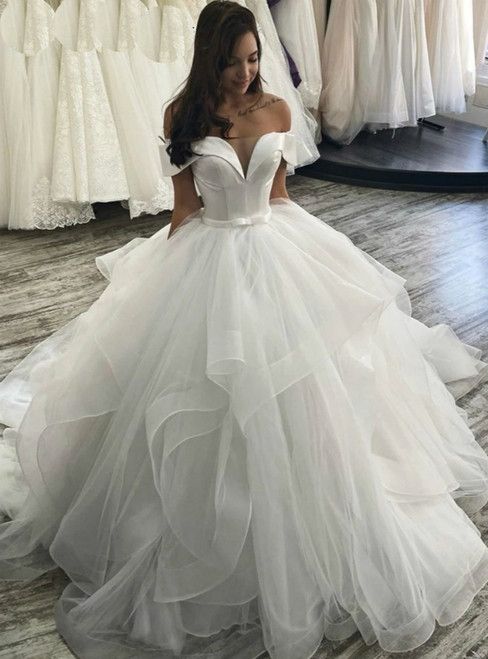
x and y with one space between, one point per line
258 140
246 137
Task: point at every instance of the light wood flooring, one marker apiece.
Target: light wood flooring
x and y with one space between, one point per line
438 242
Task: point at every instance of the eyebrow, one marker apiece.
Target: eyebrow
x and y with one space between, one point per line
253 53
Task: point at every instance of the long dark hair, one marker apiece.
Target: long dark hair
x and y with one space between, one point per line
219 26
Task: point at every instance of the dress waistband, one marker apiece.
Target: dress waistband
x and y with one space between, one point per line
260 218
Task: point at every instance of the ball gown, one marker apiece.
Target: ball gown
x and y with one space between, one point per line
249 432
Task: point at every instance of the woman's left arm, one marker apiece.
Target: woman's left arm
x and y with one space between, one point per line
278 189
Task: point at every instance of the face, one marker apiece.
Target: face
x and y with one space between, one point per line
243 65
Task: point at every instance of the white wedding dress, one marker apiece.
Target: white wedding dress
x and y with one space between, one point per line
399 83
450 39
29 81
295 24
119 22
87 159
246 431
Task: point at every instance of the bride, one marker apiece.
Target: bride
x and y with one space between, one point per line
246 444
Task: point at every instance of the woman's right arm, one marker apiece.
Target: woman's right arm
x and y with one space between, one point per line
186 198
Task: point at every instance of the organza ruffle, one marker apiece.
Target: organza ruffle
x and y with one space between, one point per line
247 432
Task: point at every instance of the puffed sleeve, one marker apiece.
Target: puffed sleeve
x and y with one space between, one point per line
168 168
296 152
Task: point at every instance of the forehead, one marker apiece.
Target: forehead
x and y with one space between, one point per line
244 46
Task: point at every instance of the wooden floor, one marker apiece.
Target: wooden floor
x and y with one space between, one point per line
411 158
438 242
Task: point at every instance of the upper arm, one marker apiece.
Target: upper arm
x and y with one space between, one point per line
283 119
284 115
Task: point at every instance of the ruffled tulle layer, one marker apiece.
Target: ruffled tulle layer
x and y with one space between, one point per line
246 432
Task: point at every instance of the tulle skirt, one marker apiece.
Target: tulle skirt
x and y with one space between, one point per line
247 431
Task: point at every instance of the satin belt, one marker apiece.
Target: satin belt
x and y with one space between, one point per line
261 218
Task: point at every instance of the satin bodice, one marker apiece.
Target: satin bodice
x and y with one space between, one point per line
230 188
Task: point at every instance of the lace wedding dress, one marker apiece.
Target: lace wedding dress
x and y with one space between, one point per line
29 63
246 431
88 164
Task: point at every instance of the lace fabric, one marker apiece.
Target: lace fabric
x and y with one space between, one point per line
48 214
29 75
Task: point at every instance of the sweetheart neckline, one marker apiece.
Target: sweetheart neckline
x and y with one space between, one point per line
258 140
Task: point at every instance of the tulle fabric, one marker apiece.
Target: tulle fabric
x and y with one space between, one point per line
349 47
400 87
247 431
375 67
450 38
149 192
296 27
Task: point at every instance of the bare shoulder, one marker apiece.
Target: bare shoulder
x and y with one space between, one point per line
168 117
280 114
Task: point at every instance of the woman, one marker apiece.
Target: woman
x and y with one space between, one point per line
246 443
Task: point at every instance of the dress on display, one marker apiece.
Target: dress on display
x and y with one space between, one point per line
450 39
349 47
400 87
149 192
29 79
246 428
296 27
88 164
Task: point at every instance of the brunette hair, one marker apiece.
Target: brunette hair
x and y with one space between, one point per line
219 25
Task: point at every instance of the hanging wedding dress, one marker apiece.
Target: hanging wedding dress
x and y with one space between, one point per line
118 22
450 42
320 15
29 79
296 27
163 47
349 47
88 164
165 36
15 175
247 432
467 47
480 20
400 90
